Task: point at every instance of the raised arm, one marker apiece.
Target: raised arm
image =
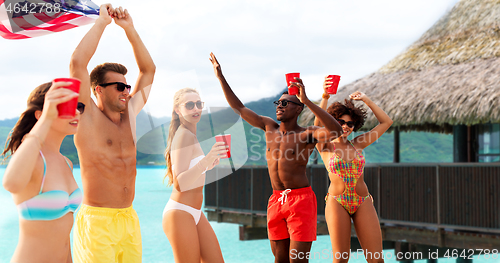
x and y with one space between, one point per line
384 120
324 99
332 128
86 49
23 162
144 61
248 115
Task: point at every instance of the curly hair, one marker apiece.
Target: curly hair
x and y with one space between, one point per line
357 114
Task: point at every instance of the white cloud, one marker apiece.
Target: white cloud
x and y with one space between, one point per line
256 42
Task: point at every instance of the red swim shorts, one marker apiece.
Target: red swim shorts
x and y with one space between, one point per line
292 213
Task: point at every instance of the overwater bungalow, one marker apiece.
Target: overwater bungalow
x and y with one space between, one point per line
448 81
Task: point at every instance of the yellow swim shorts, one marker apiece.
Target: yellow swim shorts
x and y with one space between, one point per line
106 235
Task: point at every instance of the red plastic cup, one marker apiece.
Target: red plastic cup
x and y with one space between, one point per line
67 110
333 87
290 77
226 139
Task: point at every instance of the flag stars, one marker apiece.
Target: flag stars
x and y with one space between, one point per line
83 4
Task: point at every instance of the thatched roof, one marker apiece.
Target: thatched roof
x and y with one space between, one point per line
450 76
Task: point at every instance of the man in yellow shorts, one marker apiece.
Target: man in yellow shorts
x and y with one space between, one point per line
107 227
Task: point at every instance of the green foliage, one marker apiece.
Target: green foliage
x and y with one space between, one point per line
415 146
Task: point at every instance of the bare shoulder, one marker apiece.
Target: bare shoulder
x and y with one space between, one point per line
324 147
270 123
183 138
88 125
359 141
309 131
37 174
312 128
89 114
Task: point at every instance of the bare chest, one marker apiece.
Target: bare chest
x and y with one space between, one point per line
287 147
101 136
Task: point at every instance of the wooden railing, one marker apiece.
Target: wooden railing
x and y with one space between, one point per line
458 196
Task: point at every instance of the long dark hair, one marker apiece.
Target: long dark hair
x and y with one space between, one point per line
27 119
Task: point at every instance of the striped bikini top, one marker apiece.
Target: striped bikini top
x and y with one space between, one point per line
50 205
349 171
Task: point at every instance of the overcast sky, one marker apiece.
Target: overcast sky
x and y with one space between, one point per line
256 43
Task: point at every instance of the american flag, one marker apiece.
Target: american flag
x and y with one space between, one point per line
21 19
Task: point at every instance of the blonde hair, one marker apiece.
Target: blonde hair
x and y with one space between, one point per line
174 125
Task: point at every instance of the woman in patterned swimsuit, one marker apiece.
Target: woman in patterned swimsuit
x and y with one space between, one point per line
348 197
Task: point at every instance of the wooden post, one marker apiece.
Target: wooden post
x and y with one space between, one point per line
402 247
469 146
217 188
252 233
396 144
460 143
251 193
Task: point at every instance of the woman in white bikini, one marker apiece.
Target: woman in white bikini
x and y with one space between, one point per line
188 230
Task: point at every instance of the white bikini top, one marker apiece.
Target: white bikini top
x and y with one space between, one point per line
193 162
196 160
201 181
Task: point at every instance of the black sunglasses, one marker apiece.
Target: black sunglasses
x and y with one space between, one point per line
120 86
284 103
349 124
190 105
80 107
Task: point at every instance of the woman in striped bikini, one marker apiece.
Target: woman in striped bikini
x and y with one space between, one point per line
40 178
348 196
188 230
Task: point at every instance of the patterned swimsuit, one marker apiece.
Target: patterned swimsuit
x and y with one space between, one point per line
350 172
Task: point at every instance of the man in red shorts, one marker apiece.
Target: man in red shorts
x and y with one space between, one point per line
292 209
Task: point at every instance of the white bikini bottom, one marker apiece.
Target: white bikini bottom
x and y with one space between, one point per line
174 205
